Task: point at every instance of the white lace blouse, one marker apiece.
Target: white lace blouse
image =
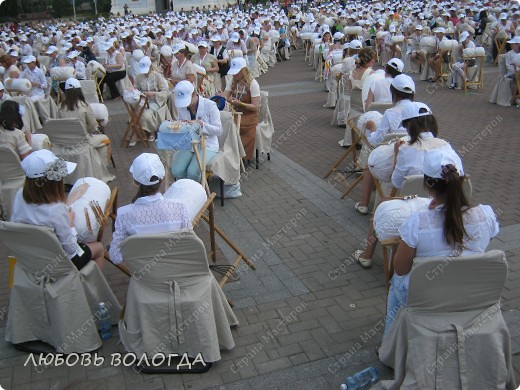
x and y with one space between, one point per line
424 231
147 215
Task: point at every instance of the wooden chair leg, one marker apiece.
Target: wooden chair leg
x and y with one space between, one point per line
221 192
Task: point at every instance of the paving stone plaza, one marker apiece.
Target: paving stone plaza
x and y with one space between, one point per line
309 316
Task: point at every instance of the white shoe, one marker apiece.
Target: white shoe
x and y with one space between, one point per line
132 143
151 138
365 263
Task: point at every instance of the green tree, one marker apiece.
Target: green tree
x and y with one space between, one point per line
61 8
9 9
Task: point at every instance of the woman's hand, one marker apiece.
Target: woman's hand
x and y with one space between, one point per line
397 145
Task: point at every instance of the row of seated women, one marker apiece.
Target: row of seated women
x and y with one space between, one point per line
73 106
445 224
242 93
42 201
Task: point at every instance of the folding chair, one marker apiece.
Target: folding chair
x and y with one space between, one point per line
478 73
134 129
501 47
98 75
12 178
443 67
307 43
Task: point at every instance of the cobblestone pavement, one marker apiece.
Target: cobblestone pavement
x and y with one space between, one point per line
307 314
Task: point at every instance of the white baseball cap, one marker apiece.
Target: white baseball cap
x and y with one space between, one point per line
463 36
503 16
145 166
177 48
419 27
397 64
415 110
435 160
202 44
73 54
516 39
51 49
183 92
44 163
137 54
439 30
403 83
72 83
2 86
355 44
235 37
29 59
216 38
236 66
144 65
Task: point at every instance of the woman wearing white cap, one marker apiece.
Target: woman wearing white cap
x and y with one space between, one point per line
209 63
182 67
115 67
42 202
457 69
220 52
379 91
449 227
417 55
244 95
12 71
78 65
75 106
37 78
149 212
155 87
193 107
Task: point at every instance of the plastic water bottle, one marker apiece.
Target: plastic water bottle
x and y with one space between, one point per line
362 379
105 328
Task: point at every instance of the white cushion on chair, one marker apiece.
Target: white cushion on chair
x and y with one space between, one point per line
62 73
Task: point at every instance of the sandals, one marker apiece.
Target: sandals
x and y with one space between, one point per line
365 263
361 209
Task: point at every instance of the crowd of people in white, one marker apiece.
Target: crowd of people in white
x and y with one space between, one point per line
176 62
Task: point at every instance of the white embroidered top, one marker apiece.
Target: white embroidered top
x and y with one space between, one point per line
147 215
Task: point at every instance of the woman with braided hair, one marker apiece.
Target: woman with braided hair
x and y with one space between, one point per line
450 226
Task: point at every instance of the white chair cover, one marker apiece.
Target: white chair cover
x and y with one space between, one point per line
178 290
88 87
265 127
12 178
51 300
46 108
451 333
71 142
226 164
504 88
31 120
